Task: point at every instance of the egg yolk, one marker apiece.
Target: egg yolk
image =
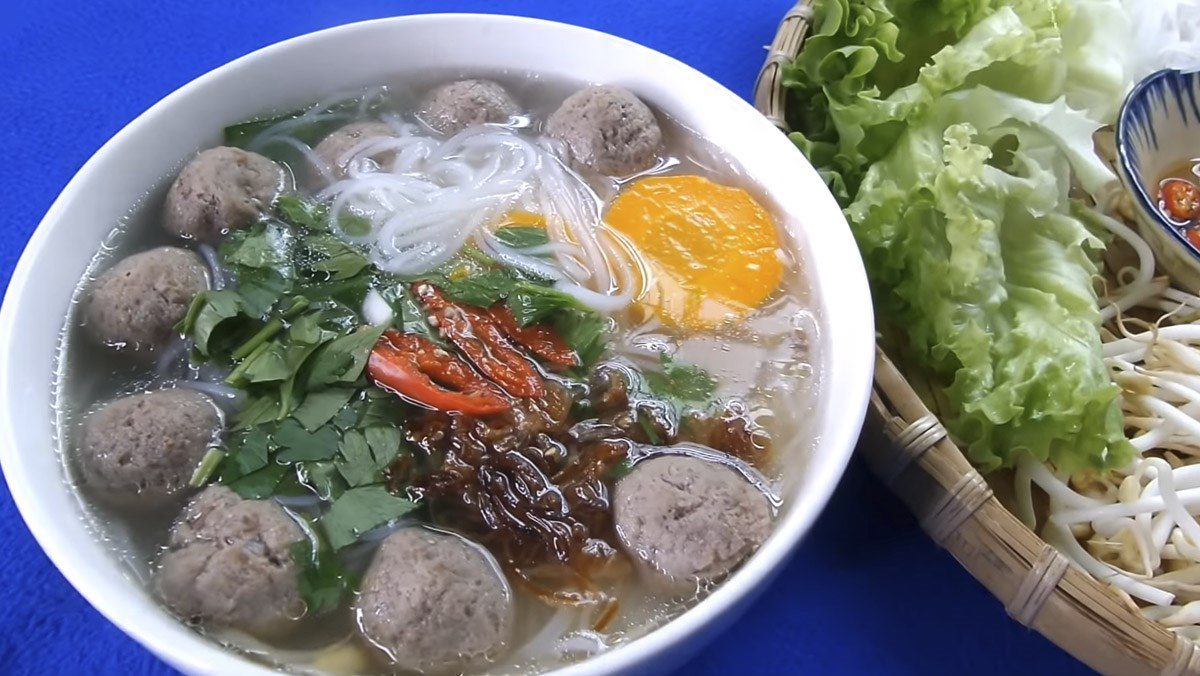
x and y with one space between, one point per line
522 219
712 252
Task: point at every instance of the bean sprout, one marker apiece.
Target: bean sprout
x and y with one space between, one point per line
1133 520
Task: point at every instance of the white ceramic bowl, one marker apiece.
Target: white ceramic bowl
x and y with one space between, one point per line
300 70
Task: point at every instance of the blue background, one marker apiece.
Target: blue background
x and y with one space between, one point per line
866 593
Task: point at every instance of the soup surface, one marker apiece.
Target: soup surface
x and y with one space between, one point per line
441 376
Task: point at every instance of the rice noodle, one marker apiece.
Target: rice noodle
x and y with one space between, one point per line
435 195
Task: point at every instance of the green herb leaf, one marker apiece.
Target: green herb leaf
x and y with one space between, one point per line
647 424
620 470
321 406
260 484
357 465
207 466
248 452
301 212
684 382
382 409
584 331
483 290
353 224
322 476
266 365
359 510
260 409
384 443
261 289
342 360
268 245
323 581
407 314
333 256
300 444
208 311
534 303
522 236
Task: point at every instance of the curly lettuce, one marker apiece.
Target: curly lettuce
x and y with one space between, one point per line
952 132
870 67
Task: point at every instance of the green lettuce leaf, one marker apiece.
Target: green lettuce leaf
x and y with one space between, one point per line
871 67
977 257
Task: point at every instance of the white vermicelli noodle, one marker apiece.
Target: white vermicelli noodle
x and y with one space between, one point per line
437 194
415 199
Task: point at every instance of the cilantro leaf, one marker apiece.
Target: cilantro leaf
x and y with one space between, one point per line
323 582
384 443
321 406
382 409
357 465
359 510
584 331
260 484
522 236
247 453
342 359
300 444
333 256
300 212
260 409
208 311
534 303
322 476
266 245
261 289
266 365
686 383
407 314
482 290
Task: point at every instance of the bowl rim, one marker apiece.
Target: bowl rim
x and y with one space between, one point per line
1125 161
202 655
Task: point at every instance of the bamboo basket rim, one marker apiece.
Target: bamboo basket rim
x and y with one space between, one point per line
1039 587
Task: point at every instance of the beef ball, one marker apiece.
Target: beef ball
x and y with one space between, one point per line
454 106
334 149
136 303
688 521
221 190
142 449
607 129
229 562
434 601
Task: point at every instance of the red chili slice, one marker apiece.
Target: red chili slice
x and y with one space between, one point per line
407 365
474 332
1180 199
1193 236
539 339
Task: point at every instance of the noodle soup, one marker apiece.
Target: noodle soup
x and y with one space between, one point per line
445 376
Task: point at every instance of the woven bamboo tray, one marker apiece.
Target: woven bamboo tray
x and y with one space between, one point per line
1039 587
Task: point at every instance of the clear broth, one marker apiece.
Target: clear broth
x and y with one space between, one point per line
769 361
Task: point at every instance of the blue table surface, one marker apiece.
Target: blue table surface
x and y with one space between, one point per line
867 592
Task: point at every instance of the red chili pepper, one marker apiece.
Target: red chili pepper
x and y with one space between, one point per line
1180 198
474 332
407 365
1193 236
539 339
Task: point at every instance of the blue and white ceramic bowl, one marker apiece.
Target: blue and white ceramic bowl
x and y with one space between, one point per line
1159 127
